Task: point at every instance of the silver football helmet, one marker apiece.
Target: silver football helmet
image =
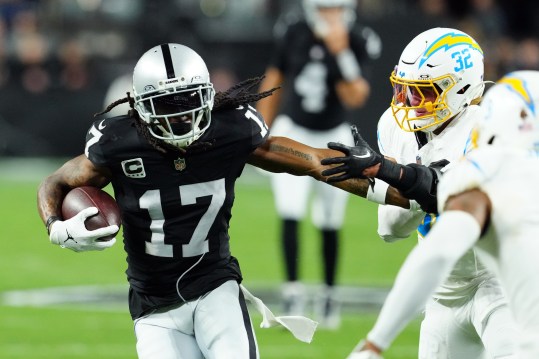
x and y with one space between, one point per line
511 113
173 93
314 20
440 73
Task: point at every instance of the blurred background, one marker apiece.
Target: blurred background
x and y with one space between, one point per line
61 61
60 58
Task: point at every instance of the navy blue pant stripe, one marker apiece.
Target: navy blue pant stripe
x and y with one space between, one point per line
248 327
168 61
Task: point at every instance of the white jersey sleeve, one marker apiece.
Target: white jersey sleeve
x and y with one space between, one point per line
394 142
396 223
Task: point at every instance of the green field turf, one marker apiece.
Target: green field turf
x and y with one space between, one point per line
102 330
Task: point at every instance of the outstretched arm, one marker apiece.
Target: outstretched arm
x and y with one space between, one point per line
456 231
281 154
414 181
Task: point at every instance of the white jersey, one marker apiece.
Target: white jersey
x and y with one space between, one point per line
406 148
510 248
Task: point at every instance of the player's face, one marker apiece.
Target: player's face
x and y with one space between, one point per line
329 19
176 109
180 123
331 15
422 97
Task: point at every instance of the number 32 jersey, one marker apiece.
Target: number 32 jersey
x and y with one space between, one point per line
176 208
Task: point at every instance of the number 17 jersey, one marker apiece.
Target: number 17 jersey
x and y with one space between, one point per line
176 208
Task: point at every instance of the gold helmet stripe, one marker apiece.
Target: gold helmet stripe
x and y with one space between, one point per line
518 86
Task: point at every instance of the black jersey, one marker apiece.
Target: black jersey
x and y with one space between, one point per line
176 210
311 72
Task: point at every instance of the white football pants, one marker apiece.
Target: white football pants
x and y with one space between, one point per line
292 193
479 328
214 326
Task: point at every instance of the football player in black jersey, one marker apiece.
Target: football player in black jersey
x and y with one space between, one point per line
173 161
321 61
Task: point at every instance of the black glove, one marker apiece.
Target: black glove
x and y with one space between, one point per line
355 161
425 188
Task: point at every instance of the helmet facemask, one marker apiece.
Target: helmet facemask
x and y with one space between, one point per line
420 105
179 116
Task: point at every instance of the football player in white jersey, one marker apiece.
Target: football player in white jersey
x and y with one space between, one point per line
437 84
489 202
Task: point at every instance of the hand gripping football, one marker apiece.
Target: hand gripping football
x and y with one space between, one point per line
80 198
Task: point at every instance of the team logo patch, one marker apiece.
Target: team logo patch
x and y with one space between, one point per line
179 164
134 168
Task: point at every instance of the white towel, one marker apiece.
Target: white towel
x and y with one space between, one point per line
301 327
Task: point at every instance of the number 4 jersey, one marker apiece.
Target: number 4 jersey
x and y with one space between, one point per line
176 208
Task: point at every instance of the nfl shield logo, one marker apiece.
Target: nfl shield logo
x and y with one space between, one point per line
179 164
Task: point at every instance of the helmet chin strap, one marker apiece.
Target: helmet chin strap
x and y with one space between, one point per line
424 122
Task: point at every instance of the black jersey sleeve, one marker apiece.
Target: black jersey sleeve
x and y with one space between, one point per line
242 127
110 140
259 129
93 149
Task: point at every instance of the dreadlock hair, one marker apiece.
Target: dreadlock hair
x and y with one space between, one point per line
235 96
129 99
140 125
240 94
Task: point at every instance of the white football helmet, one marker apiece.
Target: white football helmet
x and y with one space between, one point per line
173 93
314 20
511 113
440 73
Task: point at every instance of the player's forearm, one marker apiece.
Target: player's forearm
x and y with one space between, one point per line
418 277
281 154
269 106
77 172
353 94
429 263
49 197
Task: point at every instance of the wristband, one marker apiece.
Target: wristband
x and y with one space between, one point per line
348 65
390 172
50 221
377 192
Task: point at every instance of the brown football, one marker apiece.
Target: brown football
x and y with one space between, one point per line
80 198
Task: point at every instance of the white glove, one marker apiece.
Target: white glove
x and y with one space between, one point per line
72 233
360 352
